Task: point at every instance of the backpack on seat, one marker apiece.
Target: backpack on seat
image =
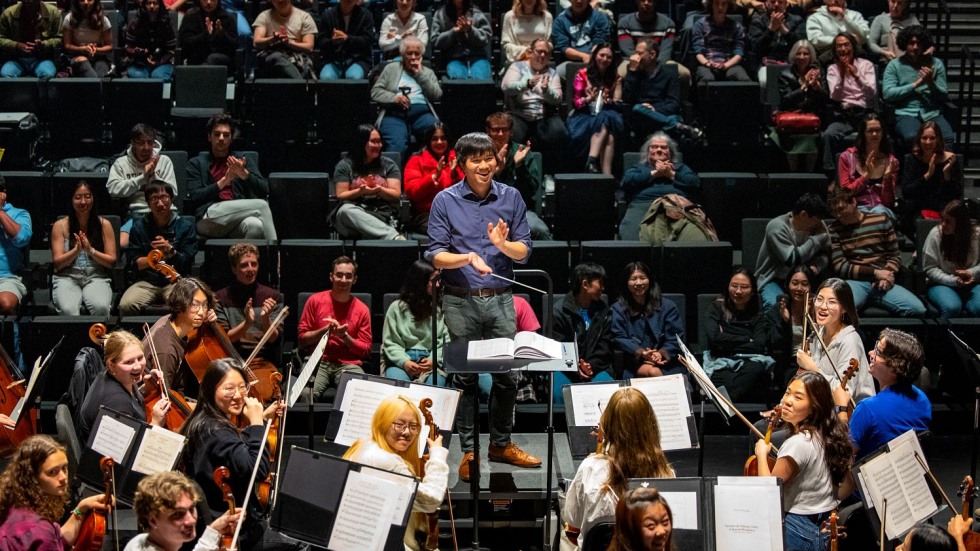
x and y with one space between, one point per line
674 217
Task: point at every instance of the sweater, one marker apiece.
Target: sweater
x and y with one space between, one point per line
456 45
25 530
884 29
230 309
385 89
419 187
630 30
196 44
353 313
594 342
846 346
532 103
718 43
401 332
640 184
860 249
660 88
202 188
822 27
868 193
517 32
939 269
150 39
49 32
416 22
356 48
774 45
126 178
182 234
933 193
742 334
581 32
898 88
784 248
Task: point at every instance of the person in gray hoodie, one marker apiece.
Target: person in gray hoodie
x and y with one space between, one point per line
797 238
130 173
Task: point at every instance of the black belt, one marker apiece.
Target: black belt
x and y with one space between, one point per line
483 292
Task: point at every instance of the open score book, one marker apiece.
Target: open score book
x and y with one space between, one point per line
524 345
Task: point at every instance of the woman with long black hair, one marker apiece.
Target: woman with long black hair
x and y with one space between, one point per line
596 121
645 326
406 341
368 189
83 250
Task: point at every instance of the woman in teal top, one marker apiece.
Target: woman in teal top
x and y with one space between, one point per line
406 342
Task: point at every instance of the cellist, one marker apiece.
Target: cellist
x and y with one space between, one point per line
191 304
118 386
34 490
395 428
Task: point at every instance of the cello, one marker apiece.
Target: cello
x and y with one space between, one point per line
13 387
179 409
93 528
751 467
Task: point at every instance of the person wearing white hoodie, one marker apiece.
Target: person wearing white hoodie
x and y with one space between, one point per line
141 165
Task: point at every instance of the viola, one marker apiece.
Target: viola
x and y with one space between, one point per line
967 491
264 488
93 529
751 467
221 476
179 409
13 387
836 532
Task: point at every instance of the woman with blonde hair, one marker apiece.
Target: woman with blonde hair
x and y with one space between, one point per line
630 437
527 20
393 447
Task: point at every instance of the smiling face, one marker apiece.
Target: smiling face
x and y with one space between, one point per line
479 169
160 204
247 269
656 527
403 431
603 59
404 7
843 49
796 403
342 277
171 528
802 58
872 134
499 132
876 362
928 142
828 310
52 477
638 285
372 149
229 396
128 368
81 200
592 289
799 286
740 291
438 144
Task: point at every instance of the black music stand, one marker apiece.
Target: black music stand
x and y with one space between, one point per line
971 365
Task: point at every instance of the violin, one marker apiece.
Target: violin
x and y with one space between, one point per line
967 491
221 476
264 489
836 532
179 409
751 467
850 372
93 529
13 387
432 537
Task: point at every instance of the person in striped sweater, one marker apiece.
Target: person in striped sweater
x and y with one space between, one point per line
864 252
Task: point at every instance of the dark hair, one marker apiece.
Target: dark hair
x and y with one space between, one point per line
654 298
94 229
926 537
812 204
918 32
851 39
450 8
156 186
652 45
586 271
472 145
902 354
926 125
861 144
221 119
607 80
361 138
628 530
430 132
955 247
343 259
182 295
837 192
413 292
500 116
142 130
845 297
823 423
207 416
728 307
800 269
96 17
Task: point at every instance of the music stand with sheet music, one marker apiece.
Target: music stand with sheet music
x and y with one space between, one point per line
971 364
35 383
691 362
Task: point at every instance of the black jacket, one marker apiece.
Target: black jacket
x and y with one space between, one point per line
195 42
594 344
793 98
660 89
202 189
743 334
360 36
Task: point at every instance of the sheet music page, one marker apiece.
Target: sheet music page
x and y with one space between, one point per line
913 480
113 438
540 346
364 514
743 519
490 348
443 410
882 482
684 508
403 499
702 377
158 451
304 375
671 403
361 399
589 400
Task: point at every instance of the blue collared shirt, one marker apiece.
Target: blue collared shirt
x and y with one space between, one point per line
458 224
11 253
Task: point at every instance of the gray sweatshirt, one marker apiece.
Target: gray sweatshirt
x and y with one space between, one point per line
785 248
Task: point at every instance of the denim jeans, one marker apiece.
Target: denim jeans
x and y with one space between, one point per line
953 302
399 374
770 293
398 123
40 68
802 532
659 120
474 68
898 300
142 70
906 128
475 318
335 71
562 379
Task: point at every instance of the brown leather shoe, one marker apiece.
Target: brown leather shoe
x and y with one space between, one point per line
513 455
464 467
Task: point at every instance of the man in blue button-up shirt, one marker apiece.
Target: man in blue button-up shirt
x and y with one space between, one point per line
16 234
478 227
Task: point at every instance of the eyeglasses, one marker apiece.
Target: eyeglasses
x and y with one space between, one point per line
401 426
230 391
541 52
197 306
163 198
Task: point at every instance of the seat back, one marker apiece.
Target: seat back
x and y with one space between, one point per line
282 104
200 86
465 103
753 235
298 201
727 197
74 115
599 536
179 160
615 255
134 100
65 427
20 95
585 206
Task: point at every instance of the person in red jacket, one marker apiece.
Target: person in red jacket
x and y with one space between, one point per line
428 172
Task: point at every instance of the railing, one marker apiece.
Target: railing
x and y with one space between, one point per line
968 69
938 19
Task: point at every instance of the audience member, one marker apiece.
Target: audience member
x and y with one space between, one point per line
646 326
575 31
931 176
345 318
431 170
650 91
14 239
87 39
525 21
802 89
643 522
461 36
773 32
518 169
191 305
208 35
865 253
407 337
583 317
226 189
30 39
853 95
245 308
242 25
630 448
832 20
150 42
284 36
346 34
596 121
784 320
83 252
797 238
719 45
163 230
400 24
647 22
951 262
883 36
869 170
368 190
130 174
660 174
915 85
532 94
406 91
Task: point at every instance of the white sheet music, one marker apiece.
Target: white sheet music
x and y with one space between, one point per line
158 451
748 514
670 401
403 499
304 376
22 403
897 476
589 400
490 348
364 514
701 376
113 438
684 508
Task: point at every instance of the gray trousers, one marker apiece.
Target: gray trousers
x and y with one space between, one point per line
140 295
353 221
239 218
81 286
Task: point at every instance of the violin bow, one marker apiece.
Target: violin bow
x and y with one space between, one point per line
833 364
165 392
884 513
251 486
274 489
935 482
273 325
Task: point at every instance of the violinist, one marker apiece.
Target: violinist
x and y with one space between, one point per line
34 490
214 439
117 388
246 308
813 463
836 326
166 507
191 304
393 446
629 448
896 363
